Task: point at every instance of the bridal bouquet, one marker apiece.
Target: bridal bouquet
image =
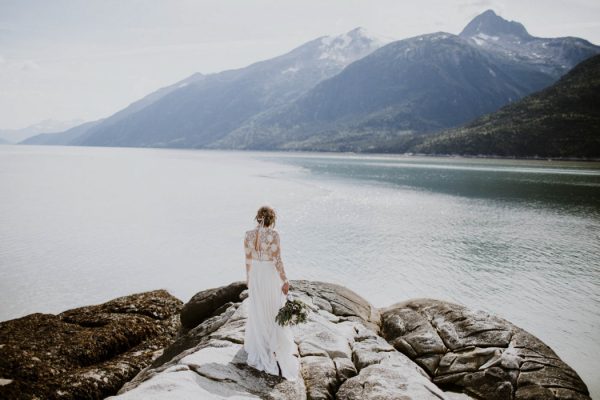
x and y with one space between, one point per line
293 312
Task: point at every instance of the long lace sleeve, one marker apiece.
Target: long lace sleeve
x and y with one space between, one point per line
276 252
248 252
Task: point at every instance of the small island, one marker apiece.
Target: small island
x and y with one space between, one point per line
152 345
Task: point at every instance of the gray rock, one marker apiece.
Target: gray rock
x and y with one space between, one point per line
320 377
207 303
340 301
195 336
344 369
337 347
215 370
320 336
420 349
485 355
379 381
369 351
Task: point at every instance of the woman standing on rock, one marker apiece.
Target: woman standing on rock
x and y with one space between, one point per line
270 346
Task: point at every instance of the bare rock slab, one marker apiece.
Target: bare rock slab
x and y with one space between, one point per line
342 356
483 354
207 302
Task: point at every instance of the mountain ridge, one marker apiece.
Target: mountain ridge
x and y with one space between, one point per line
415 85
558 122
346 93
46 125
512 44
210 108
490 23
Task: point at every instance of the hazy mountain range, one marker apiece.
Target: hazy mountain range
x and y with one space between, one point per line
47 125
346 93
203 108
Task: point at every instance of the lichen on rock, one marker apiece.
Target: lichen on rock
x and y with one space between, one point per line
88 352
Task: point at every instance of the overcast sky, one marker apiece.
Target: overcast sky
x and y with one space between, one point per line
66 60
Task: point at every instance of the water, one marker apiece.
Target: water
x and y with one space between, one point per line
521 239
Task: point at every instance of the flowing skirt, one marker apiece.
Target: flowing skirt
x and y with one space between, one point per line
265 341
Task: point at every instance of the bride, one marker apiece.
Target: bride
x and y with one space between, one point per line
270 346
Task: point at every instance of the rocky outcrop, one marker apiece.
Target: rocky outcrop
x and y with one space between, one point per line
420 349
482 354
342 356
88 352
207 303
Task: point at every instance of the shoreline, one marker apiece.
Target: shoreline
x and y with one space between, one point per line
408 154
436 348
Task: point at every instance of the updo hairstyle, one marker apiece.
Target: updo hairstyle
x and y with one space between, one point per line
267 215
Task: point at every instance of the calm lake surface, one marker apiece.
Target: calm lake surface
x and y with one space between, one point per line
521 239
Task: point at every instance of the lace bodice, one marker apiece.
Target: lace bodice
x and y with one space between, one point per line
269 248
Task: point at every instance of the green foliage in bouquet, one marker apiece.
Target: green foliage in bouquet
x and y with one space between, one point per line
292 313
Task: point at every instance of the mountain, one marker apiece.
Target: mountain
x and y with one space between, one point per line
510 41
346 93
62 138
489 23
47 125
421 84
559 121
207 109
79 133
413 86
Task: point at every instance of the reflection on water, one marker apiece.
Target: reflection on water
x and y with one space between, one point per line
568 185
517 238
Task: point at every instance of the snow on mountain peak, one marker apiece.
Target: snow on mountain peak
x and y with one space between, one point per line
510 40
482 38
348 46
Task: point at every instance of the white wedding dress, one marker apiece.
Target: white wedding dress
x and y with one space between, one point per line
265 341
